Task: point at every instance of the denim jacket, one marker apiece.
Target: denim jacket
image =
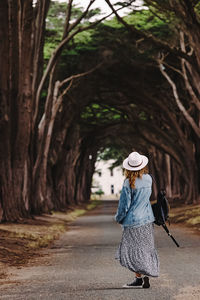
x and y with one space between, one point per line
134 207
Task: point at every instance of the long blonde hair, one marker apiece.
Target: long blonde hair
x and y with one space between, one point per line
132 175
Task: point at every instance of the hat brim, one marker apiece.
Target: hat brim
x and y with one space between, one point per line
128 167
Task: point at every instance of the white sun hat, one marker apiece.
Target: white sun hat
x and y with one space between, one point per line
135 162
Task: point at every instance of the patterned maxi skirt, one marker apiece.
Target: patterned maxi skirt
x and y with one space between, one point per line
137 250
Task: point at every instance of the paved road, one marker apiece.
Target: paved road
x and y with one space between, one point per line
81 265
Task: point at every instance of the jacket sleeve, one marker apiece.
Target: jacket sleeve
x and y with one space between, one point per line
124 204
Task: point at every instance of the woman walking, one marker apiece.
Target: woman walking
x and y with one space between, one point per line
137 250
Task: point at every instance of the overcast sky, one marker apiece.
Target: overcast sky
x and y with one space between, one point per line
99 3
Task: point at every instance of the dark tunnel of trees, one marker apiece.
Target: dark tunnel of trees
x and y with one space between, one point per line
75 85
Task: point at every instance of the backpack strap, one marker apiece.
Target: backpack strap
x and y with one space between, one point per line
158 206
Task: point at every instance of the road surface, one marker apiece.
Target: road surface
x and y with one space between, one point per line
81 265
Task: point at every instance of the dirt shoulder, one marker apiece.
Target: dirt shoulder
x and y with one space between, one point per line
186 216
21 242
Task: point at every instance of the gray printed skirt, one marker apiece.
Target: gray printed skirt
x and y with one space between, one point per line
137 250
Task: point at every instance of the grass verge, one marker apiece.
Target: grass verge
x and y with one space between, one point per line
186 215
20 242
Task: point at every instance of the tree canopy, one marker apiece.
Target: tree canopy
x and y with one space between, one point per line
88 86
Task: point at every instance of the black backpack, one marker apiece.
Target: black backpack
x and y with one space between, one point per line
161 213
161 208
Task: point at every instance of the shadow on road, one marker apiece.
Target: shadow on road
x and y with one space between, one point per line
107 207
114 288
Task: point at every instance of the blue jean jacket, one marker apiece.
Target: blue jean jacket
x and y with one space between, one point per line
134 207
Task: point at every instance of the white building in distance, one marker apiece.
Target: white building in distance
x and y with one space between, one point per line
106 180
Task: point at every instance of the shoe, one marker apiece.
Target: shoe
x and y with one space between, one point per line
136 283
146 283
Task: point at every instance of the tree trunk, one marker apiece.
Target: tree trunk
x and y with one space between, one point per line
168 176
85 170
16 84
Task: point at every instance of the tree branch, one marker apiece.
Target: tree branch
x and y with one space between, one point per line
78 21
68 16
178 102
187 83
149 36
54 57
79 75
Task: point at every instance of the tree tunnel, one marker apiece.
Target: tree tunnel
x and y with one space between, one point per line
134 111
83 84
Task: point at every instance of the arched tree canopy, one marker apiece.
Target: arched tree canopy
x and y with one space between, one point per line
88 86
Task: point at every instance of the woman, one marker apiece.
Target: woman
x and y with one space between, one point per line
137 250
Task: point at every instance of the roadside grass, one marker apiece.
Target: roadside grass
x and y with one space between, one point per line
20 242
187 215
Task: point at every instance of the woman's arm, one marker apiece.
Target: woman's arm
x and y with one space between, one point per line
124 204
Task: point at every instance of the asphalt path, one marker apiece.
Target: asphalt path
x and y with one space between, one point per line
81 265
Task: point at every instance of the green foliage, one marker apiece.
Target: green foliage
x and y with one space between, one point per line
83 38
100 114
56 17
99 192
57 14
114 23
89 47
197 9
142 116
115 152
109 153
108 35
147 21
55 26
